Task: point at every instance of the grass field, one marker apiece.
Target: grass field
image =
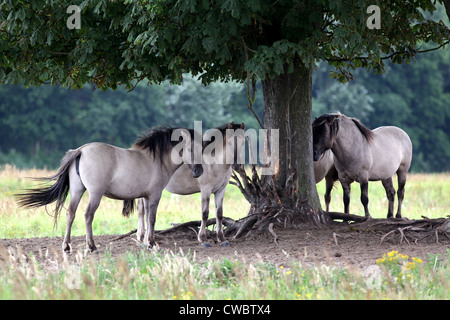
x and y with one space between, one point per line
150 275
426 194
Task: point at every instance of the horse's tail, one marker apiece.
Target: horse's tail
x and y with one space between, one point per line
33 198
128 207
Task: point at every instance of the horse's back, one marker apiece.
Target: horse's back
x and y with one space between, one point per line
118 172
182 182
394 138
323 165
214 178
391 150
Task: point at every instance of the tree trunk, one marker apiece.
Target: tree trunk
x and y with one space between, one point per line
447 7
288 107
290 195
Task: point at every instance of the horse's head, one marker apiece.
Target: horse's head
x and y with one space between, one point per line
191 152
225 144
235 142
325 130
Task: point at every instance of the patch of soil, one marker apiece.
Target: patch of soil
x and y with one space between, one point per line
339 244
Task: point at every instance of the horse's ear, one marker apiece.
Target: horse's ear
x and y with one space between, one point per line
185 135
242 126
332 119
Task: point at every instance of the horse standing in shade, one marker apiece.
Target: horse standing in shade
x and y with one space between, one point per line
105 170
214 180
324 168
364 155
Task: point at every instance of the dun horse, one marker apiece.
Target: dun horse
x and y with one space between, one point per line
364 155
214 180
143 170
324 168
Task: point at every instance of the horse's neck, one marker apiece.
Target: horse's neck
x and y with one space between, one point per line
350 145
165 162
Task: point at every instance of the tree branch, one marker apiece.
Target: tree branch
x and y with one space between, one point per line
339 59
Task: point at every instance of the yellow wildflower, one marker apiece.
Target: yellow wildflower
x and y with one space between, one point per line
392 253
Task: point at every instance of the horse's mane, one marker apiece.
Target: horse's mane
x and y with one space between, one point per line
158 138
223 129
331 118
366 132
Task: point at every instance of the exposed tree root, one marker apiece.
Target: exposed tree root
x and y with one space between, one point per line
346 217
407 231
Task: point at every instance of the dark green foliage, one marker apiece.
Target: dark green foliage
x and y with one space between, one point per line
123 42
39 124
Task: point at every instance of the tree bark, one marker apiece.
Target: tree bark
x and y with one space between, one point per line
288 107
290 195
447 7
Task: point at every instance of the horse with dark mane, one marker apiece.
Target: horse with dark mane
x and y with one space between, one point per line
215 178
143 170
324 168
364 155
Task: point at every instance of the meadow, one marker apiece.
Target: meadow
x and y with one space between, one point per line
174 276
426 195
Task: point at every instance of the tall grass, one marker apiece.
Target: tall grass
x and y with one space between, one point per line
17 222
165 275
168 276
426 194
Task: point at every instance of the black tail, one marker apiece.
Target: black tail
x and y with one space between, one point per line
33 198
128 207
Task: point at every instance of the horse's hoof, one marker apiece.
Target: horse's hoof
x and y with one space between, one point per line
225 244
206 244
67 248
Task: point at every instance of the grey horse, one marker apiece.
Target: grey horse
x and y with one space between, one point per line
364 155
143 170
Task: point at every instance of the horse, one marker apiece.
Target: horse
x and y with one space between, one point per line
324 168
214 180
364 155
143 170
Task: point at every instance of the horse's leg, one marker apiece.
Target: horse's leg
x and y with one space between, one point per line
218 197
94 202
75 197
330 178
346 189
141 220
390 194
205 196
365 198
401 175
77 190
151 207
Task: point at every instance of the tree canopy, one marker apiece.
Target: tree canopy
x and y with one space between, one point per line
278 42
123 42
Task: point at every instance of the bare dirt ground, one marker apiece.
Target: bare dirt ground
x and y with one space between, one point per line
340 244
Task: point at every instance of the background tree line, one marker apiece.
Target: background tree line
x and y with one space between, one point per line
38 124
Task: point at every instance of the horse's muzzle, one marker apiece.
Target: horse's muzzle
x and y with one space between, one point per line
316 155
197 171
